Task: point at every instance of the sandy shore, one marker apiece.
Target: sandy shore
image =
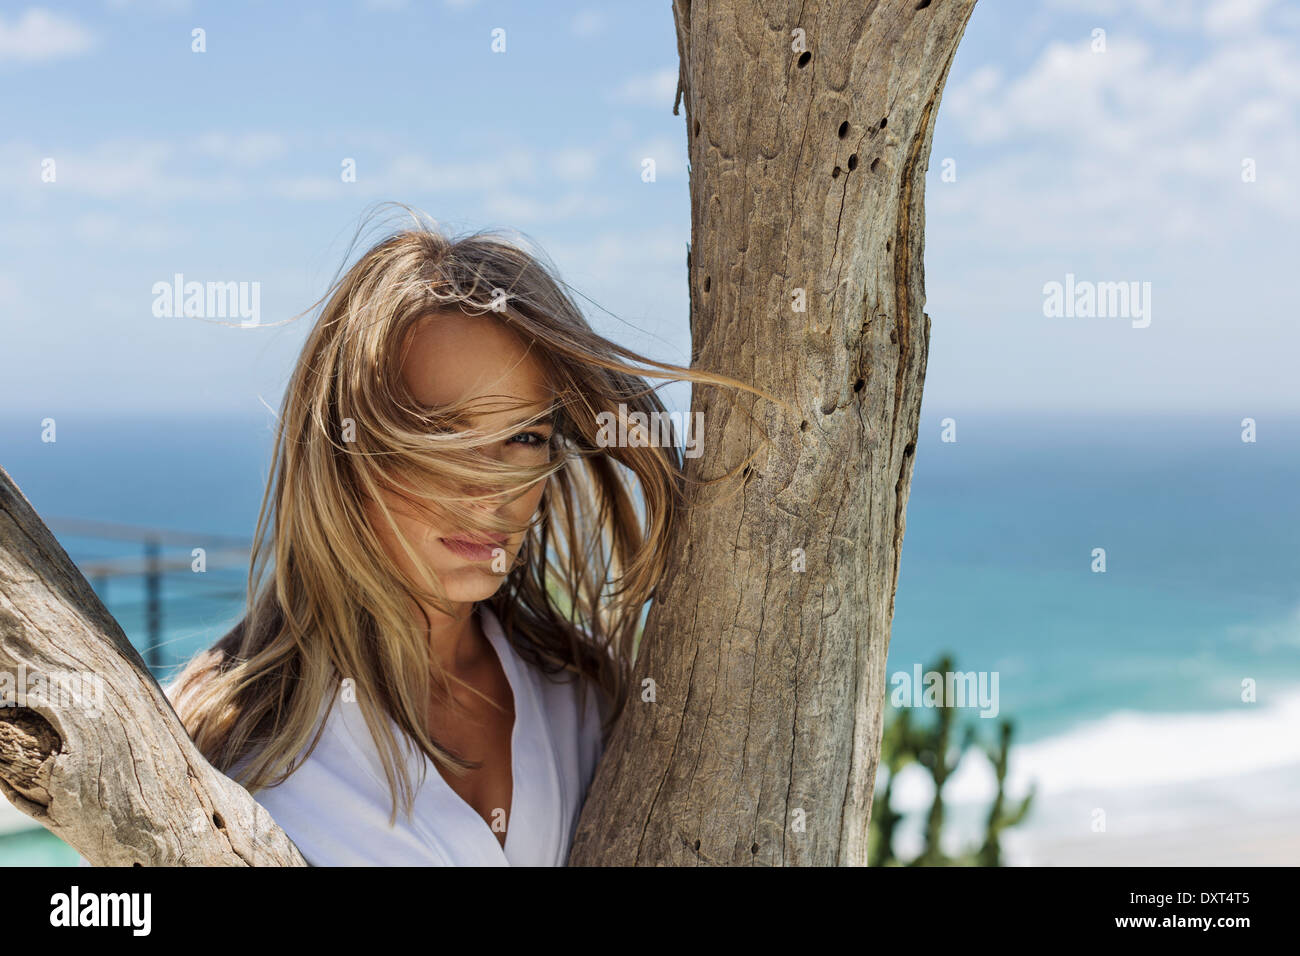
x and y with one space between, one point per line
1265 841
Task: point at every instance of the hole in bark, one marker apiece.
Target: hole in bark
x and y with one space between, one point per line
708 281
874 163
853 162
835 173
804 58
697 846
26 740
908 449
883 121
829 406
747 472
137 864
697 127
857 386
923 4
754 849
893 336
844 129
803 425
217 822
888 244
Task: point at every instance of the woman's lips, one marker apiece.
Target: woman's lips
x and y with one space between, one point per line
475 549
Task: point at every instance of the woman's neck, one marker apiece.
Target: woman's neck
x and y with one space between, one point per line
457 642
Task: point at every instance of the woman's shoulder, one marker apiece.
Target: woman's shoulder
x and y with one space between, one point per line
336 803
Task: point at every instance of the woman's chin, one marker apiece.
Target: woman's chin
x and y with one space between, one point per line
472 582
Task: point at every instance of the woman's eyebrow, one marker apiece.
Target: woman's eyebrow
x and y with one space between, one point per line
547 415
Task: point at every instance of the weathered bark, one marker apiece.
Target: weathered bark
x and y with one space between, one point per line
124 786
807 173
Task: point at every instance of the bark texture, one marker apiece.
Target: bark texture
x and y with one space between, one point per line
809 129
101 759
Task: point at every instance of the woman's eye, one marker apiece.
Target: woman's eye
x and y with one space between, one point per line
531 439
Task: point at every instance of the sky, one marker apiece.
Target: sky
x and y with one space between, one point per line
1058 152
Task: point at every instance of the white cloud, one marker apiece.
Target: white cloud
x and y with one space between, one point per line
516 208
648 89
588 23
107 230
163 169
1214 17
496 182
669 156
1170 14
1132 141
8 290
242 149
413 171
1229 16
310 188
574 164
616 252
501 175
146 169
39 35
153 6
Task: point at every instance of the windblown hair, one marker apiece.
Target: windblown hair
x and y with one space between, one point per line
326 602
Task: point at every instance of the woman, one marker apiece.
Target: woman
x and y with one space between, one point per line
459 571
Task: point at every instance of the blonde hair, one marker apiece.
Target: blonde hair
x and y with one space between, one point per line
334 604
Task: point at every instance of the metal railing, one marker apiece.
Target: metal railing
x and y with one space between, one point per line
152 565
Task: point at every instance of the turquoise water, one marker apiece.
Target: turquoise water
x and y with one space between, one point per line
1202 580
1202 587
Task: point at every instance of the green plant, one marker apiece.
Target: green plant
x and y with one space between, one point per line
931 746
990 853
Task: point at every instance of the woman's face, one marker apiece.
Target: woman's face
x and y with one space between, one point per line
452 357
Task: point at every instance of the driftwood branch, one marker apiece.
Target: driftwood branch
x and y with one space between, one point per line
90 747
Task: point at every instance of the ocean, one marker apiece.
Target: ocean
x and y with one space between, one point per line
1125 686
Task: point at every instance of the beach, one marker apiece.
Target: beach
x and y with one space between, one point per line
1136 789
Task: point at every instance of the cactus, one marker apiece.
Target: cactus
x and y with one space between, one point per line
990 854
896 752
933 751
931 746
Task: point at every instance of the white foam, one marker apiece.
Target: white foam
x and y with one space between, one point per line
1128 750
1150 773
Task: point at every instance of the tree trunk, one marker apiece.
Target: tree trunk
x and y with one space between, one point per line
809 131
101 759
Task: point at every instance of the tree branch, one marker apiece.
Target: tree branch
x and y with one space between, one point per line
90 747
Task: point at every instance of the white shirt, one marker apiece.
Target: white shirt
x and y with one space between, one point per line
336 805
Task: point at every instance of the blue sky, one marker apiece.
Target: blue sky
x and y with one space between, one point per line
1122 165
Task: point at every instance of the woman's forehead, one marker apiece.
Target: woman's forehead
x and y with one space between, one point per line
453 357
